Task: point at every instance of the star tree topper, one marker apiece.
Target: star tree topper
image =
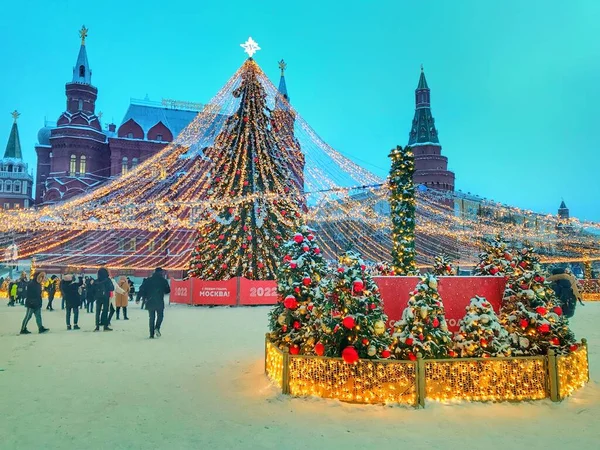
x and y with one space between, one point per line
250 47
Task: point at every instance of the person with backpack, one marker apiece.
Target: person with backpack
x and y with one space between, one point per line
102 288
33 302
156 288
51 290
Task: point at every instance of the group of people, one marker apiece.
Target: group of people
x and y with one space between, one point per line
108 295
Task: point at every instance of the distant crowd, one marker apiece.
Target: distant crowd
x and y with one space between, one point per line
107 294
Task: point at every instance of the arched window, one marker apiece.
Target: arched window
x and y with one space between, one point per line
124 166
10 168
82 71
16 186
80 107
1 186
8 186
82 164
134 163
73 165
129 135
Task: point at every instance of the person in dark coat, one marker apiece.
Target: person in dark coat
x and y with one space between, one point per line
89 294
33 302
141 294
51 290
131 289
70 291
102 288
155 289
22 288
565 289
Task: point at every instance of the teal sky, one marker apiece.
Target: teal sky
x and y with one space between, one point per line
515 84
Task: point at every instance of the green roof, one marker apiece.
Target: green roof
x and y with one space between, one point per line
422 81
13 148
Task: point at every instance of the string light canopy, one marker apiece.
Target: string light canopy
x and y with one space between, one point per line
150 216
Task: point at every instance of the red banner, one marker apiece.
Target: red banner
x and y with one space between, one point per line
214 292
456 293
181 291
254 292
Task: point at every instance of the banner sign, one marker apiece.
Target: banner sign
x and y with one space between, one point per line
253 292
214 292
181 291
456 294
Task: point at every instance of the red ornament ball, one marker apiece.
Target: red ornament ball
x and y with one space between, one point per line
350 355
293 265
349 322
483 342
297 325
412 356
365 341
306 248
573 347
372 306
287 258
544 328
290 302
297 290
363 267
260 265
494 270
319 349
245 119
306 281
340 270
541 310
317 250
557 310
358 286
436 323
555 341
221 236
524 323
310 237
224 266
294 350
298 238
409 341
421 337
310 305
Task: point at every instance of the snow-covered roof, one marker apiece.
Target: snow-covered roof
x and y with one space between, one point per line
147 114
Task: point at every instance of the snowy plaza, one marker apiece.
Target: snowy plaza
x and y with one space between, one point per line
202 385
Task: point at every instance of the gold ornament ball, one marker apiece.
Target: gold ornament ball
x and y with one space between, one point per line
371 351
424 312
281 319
379 327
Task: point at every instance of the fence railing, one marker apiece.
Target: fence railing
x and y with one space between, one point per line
412 382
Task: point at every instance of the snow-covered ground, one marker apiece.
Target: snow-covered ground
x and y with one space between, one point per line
201 386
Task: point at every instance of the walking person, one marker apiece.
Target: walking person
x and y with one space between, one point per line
116 290
12 293
141 294
33 302
51 290
131 289
155 289
89 293
22 288
102 288
70 292
122 299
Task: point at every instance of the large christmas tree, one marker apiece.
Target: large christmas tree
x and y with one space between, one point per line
302 270
402 209
423 328
255 197
353 323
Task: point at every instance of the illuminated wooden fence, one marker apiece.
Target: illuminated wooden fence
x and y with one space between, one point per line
411 382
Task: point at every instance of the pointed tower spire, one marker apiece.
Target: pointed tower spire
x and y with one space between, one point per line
82 72
563 211
282 86
13 147
423 126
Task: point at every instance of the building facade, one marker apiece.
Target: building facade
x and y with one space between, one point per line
79 154
431 167
16 183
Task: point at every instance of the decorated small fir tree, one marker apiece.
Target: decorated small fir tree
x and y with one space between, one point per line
354 324
299 278
495 259
531 312
402 211
382 269
481 335
443 266
423 327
